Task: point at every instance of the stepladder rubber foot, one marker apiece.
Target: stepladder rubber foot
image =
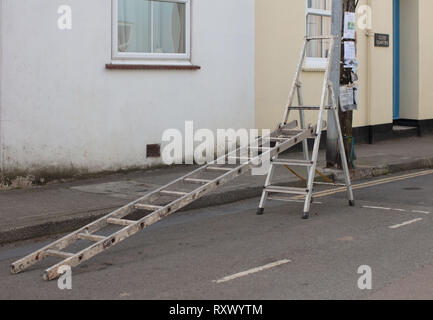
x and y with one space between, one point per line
260 211
305 216
352 203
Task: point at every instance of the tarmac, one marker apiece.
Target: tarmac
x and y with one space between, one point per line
41 211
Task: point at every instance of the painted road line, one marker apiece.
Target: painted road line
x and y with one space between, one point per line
378 208
386 209
424 212
370 184
405 223
394 209
251 271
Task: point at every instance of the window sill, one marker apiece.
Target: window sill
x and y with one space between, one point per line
115 66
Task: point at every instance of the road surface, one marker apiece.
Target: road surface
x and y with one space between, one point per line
228 252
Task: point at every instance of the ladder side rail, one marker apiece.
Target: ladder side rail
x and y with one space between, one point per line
325 88
268 182
303 126
319 128
295 82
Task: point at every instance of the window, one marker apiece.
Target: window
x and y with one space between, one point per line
318 24
151 30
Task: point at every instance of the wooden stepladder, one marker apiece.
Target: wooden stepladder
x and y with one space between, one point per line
179 193
310 164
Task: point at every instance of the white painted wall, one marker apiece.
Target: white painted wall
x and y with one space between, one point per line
62 110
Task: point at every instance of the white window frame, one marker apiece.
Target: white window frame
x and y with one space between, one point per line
314 62
152 58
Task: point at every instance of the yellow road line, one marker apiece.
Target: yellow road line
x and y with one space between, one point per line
368 184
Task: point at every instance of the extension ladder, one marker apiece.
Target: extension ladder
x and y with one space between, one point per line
174 196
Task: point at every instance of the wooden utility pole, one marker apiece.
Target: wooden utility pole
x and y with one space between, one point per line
346 118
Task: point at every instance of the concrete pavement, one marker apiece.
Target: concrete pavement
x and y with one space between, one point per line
180 257
58 208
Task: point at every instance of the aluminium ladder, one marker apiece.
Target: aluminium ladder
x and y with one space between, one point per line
310 164
174 196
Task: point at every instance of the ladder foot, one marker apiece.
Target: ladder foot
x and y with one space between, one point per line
352 203
305 216
260 211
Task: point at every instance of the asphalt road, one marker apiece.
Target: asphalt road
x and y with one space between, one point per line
228 252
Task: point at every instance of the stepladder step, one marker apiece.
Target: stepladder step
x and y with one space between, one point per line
287 190
292 162
310 108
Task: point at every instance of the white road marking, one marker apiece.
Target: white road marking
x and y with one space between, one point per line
417 211
405 223
379 208
251 271
394 209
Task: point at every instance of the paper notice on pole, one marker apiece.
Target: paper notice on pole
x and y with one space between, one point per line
350 55
349 50
347 99
349 25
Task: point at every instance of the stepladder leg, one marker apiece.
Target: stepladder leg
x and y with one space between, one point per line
261 208
309 196
342 150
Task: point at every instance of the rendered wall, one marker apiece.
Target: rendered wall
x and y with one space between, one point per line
425 60
280 28
63 110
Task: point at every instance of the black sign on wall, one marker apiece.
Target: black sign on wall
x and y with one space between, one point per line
381 40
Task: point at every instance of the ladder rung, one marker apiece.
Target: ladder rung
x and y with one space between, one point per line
260 148
290 162
330 184
285 199
239 158
292 132
91 237
120 222
148 207
59 254
290 125
278 138
275 189
310 108
193 180
173 193
319 38
219 169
